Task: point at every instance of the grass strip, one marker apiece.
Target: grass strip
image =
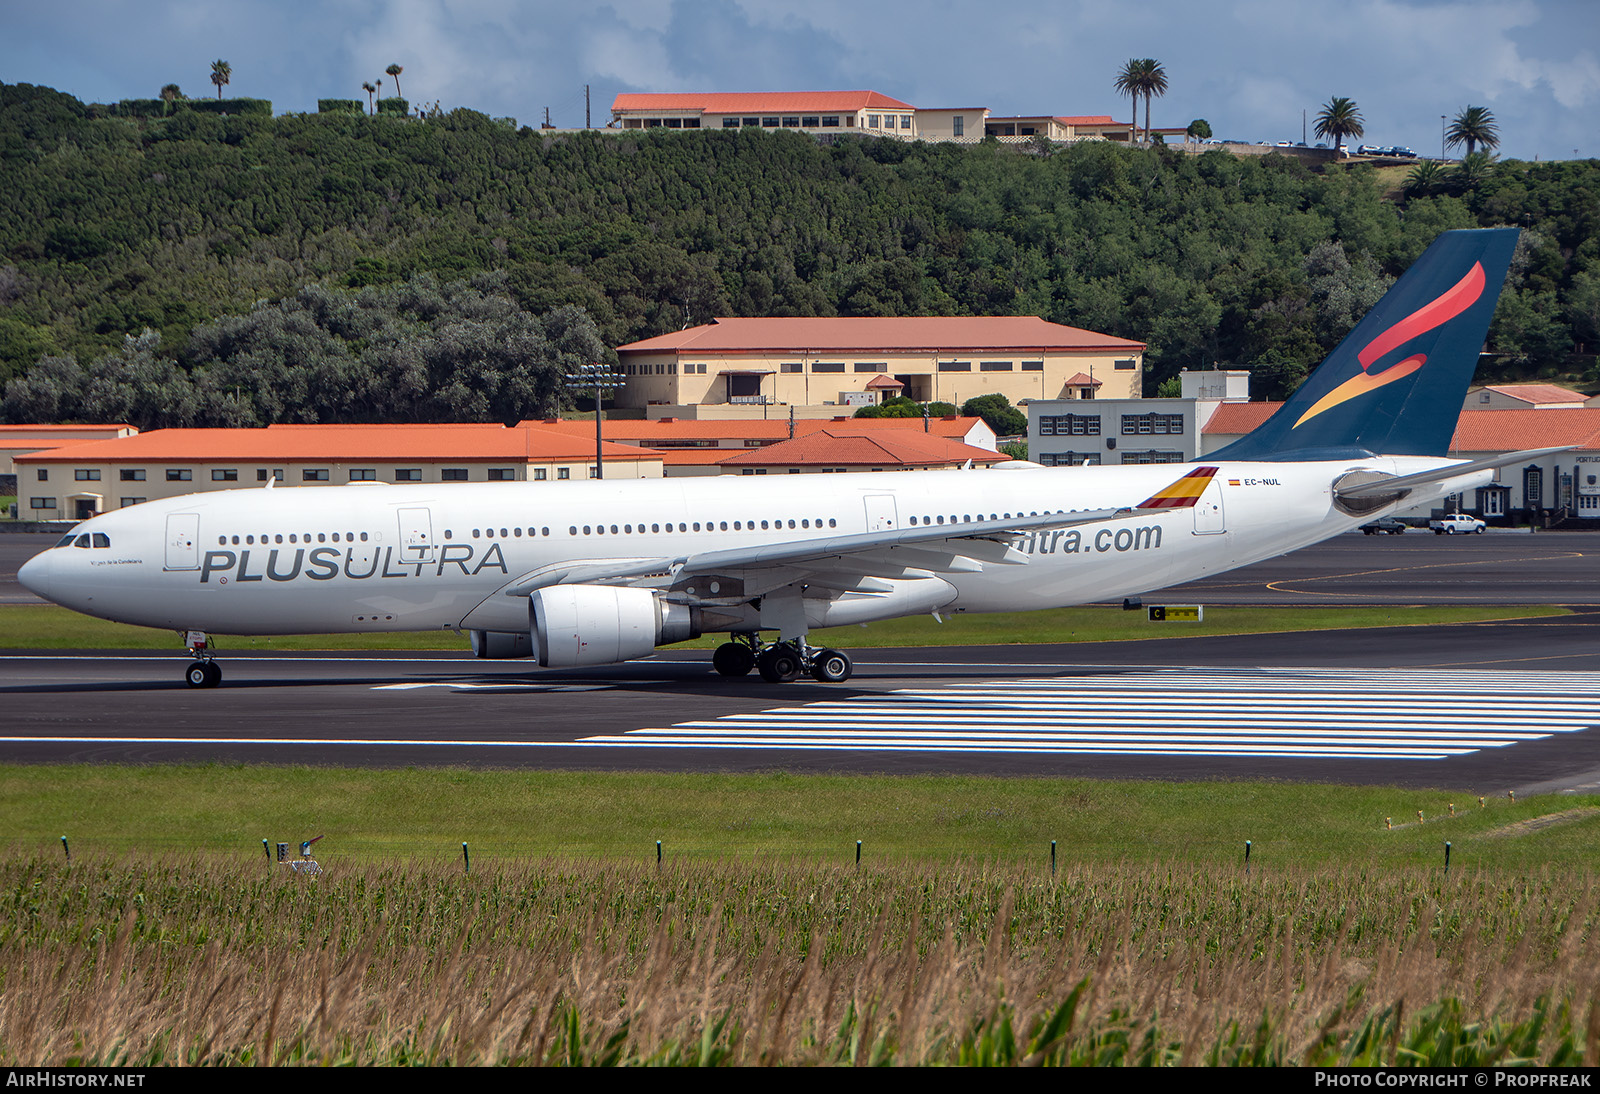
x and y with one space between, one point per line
29 626
503 815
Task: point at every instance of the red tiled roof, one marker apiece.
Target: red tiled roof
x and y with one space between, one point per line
883 382
943 334
48 427
1083 379
755 102
1537 393
754 429
1088 119
466 443
824 447
1239 418
1514 430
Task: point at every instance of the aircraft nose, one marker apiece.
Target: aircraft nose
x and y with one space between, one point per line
35 574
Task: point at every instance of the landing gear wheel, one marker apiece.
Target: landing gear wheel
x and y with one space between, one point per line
778 664
733 659
831 667
203 674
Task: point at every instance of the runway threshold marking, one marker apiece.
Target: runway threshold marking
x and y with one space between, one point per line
1323 713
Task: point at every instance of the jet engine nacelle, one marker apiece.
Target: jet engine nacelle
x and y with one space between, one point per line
577 625
502 644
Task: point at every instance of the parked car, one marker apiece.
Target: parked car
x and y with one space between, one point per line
1389 525
1456 522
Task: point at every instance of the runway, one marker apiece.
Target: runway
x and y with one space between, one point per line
1485 707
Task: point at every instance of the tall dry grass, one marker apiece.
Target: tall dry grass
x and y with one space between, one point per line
210 961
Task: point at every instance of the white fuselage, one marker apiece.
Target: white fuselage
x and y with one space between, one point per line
390 558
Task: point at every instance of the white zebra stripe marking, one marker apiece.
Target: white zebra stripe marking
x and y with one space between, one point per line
1326 713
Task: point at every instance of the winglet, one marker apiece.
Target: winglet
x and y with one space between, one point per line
1182 494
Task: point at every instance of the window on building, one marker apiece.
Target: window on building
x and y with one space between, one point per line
955 366
809 121
44 474
828 366
502 474
905 121
872 121
86 474
769 123
41 503
1152 457
751 121
540 474
958 126
408 474
132 501
453 474
224 474
793 367
314 474
868 366
363 474
1069 459
830 121
888 121
673 123
1126 364
1139 425
261 474
996 366
1033 366
791 123
563 472
730 123
1069 425
132 474
179 474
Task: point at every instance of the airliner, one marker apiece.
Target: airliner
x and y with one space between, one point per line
595 573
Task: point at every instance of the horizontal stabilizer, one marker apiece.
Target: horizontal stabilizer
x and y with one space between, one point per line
1381 487
1182 494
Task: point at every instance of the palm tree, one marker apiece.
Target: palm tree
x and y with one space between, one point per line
395 70
1131 83
220 72
1472 127
1341 118
1476 167
1425 178
1142 76
366 85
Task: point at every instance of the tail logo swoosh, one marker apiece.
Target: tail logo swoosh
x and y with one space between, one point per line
1436 313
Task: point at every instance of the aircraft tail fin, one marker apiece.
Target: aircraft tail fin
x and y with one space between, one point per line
1394 386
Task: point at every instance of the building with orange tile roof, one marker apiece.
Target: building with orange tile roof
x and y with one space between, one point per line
816 112
829 451
20 440
728 434
829 362
1521 397
95 476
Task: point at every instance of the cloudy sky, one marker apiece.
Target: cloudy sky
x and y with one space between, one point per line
1250 67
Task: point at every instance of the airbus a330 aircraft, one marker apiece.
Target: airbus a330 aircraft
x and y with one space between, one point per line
593 573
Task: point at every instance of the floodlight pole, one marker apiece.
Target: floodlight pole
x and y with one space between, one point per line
601 378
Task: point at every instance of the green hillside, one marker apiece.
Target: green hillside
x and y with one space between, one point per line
305 267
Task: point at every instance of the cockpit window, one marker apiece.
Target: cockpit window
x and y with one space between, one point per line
66 540
81 541
102 540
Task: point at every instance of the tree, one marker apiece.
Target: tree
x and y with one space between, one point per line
395 70
1341 118
369 88
1199 130
221 71
170 94
1425 178
997 413
1142 76
1472 127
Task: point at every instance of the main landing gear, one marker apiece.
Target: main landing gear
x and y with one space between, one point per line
202 672
781 662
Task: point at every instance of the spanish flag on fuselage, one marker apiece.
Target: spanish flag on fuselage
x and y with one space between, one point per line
1182 494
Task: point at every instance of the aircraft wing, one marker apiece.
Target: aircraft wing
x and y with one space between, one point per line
1376 488
851 562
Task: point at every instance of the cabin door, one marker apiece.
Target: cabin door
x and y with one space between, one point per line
416 535
183 541
881 514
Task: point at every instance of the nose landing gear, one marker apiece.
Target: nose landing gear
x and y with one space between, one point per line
202 672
